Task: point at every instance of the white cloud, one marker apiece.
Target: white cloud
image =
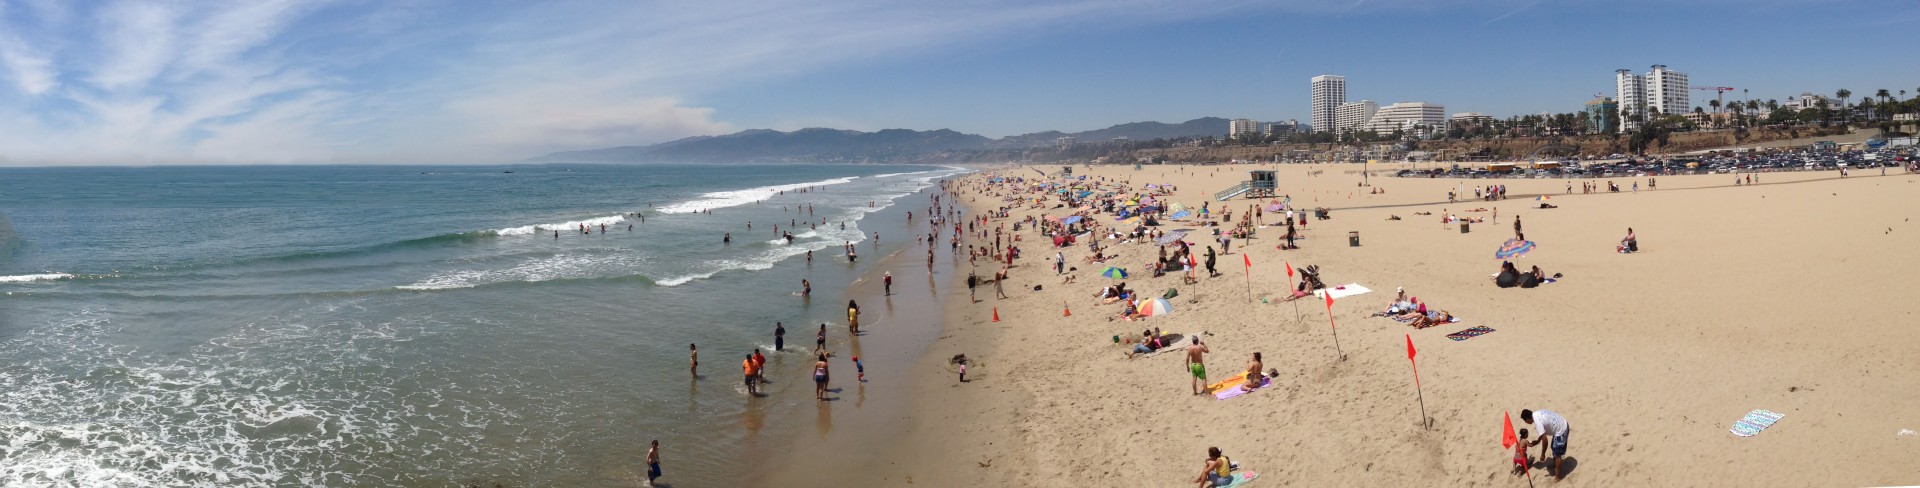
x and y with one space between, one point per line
421 81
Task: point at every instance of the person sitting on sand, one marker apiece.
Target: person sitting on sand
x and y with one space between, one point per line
1253 374
1400 303
1217 473
1508 277
1131 312
1630 243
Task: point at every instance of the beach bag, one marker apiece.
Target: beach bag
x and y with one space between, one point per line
1171 292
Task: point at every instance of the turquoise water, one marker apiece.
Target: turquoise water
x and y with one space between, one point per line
419 326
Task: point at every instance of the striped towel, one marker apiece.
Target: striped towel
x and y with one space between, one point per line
1755 422
1470 333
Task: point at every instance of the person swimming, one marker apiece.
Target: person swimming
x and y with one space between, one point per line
727 239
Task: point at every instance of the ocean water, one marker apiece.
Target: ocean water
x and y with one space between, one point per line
412 326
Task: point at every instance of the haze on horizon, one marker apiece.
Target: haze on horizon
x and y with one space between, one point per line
427 81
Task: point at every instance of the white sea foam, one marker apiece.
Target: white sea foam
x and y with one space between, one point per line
34 277
569 226
723 199
907 173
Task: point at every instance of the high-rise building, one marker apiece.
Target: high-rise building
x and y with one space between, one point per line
1242 127
1353 115
1409 117
1283 129
1630 91
1661 89
1329 92
1668 90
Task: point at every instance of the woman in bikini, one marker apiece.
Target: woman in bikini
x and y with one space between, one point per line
820 378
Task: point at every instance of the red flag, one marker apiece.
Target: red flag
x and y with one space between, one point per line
1507 439
1409 347
1249 260
1329 296
1289 270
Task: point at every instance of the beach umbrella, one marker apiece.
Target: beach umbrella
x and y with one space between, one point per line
1540 198
1155 307
1171 237
1114 272
1177 207
1513 248
1181 214
1276 206
1070 220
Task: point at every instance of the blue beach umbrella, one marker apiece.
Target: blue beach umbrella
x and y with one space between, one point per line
1114 272
1513 248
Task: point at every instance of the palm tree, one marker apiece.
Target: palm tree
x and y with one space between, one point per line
1773 104
1843 94
1715 104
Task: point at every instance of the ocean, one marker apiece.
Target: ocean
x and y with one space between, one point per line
416 325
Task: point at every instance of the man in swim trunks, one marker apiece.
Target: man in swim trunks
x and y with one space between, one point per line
1553 434
1196 364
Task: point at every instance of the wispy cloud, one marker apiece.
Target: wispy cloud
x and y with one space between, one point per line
446 80
1510 13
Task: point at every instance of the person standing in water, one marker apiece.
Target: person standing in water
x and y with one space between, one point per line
887 283
693 360
853 318
779 336
653 462
806 287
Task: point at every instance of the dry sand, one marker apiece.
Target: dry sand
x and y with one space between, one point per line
1788 296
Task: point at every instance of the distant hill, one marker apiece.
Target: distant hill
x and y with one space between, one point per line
834 145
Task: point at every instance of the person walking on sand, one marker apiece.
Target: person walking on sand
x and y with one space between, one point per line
693 360
999 291
1196 364
1553 435
653 462
887 283
973 279
820 377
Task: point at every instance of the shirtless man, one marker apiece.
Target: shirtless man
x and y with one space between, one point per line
1196 364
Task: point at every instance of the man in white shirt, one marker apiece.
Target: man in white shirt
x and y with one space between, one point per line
1553 434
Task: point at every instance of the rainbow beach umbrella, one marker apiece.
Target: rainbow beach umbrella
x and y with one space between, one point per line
1155 307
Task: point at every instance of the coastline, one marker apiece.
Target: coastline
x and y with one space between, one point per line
1056 404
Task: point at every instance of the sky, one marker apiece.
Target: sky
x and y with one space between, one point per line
468 81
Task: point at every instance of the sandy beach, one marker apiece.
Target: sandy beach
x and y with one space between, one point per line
1782 296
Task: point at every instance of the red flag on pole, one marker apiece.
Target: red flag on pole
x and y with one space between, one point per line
1507 439
1248 259
1289 271
1410 350
1329 296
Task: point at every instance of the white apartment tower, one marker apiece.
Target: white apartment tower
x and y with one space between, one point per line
1631 92
1329 92
1668 90
1661 88
1242 127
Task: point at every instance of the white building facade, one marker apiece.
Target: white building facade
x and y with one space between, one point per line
1242 127
1411 117
1663 89
1353 116
1630 90
1329 92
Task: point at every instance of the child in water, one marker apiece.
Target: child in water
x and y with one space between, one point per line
860 368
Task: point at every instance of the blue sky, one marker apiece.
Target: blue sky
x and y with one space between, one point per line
279 81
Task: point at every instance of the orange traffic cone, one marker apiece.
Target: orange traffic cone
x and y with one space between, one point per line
996 314
1065 311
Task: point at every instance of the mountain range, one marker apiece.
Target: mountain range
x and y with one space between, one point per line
836 145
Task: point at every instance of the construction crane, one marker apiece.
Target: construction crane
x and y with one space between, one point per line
1717 91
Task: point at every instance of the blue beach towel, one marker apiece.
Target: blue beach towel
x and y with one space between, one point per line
1754 422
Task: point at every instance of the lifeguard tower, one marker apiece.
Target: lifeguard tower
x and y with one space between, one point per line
1260 184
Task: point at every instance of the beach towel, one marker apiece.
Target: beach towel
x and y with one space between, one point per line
1754 422
1343 291
1185 341
1242 478
1471 332
1237 391
1231 382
